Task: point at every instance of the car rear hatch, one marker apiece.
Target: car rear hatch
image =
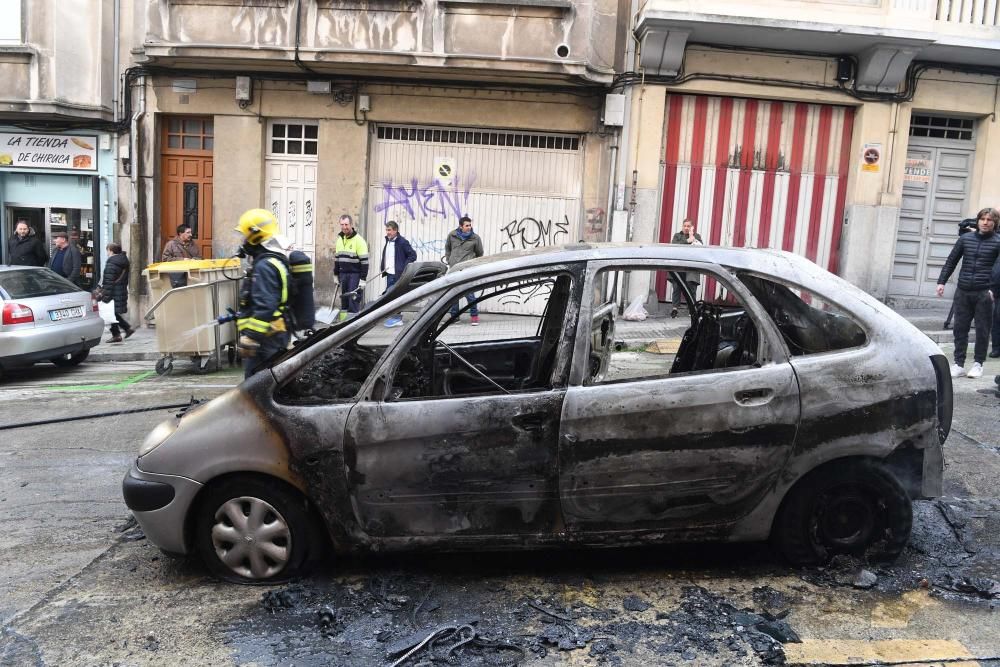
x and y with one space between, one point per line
39 299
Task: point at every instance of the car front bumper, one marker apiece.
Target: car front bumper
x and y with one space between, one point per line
160 504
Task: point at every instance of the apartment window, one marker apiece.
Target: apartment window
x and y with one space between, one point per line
10 22
294 138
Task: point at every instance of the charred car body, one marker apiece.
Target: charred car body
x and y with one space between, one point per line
796 408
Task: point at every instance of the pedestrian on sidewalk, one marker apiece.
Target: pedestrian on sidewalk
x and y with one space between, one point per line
976 289
396 254
114 287
179 248
464 244
25 248
687 236
964 227
350 266
66 260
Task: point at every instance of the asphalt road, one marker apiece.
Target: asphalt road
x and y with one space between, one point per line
79 585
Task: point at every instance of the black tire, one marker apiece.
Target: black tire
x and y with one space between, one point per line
850 507
74 359
274 551
164 365
203 365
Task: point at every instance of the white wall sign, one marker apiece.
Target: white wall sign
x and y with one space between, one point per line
48 151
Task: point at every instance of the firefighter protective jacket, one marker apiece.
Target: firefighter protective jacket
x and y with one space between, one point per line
351 254
265 297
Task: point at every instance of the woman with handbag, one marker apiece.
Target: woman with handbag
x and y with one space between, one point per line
114 287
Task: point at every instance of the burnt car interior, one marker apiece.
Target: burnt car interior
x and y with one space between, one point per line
516 355
710 330
808 324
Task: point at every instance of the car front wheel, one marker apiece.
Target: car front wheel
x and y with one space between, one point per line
851 507
254 530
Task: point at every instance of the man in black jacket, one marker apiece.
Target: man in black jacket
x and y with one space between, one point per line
25 248
66 260
973 297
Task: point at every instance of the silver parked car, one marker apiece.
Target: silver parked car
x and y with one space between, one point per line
785 404
45 318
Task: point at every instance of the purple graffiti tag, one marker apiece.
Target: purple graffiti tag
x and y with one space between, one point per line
396 195
451 201
434 199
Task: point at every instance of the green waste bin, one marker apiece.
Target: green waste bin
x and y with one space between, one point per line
186 316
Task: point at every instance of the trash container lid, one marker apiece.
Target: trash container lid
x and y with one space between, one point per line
184 265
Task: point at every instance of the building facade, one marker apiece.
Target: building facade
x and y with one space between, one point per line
417 112
57 129
855 132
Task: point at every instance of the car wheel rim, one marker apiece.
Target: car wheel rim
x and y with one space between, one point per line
846 521
251 538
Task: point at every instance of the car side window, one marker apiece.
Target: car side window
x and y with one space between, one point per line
677 321
808 323
505 339
339 373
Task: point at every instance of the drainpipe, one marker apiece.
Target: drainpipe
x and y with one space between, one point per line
622 154
135 162
110 218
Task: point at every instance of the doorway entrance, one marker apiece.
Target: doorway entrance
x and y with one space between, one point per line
936 186
186 179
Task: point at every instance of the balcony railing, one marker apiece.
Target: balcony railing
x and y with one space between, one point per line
972 12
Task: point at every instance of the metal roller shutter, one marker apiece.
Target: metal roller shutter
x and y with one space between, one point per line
521 189
757 173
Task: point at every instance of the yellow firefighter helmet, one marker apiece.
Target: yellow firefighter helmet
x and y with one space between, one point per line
257 225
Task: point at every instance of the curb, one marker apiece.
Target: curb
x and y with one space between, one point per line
123 356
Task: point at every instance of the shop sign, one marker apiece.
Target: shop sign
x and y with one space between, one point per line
918 170
48 151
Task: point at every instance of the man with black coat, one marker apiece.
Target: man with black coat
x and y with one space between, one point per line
25 249
66 260
973 297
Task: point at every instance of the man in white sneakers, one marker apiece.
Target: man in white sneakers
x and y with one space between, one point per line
975 293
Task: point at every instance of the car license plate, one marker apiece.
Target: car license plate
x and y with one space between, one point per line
66 313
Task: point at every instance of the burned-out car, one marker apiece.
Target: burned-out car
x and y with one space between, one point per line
784 403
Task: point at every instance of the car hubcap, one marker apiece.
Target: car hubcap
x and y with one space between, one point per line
251 538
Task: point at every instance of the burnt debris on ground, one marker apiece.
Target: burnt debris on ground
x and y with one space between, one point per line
603 607
400 620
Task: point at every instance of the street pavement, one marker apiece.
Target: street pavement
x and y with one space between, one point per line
79 584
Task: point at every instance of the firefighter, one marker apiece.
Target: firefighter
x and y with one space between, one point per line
264 295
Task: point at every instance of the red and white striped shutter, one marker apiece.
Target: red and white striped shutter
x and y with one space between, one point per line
757 173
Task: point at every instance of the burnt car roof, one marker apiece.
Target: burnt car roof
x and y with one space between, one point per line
777 263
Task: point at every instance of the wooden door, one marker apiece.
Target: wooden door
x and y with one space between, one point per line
186 179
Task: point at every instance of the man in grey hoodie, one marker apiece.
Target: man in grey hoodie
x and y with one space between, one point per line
464 244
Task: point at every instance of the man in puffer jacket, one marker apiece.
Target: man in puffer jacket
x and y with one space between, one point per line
973 297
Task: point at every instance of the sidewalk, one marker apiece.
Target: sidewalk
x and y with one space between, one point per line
142 345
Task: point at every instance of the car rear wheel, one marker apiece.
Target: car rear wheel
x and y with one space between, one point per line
254 530
852 507
74 359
